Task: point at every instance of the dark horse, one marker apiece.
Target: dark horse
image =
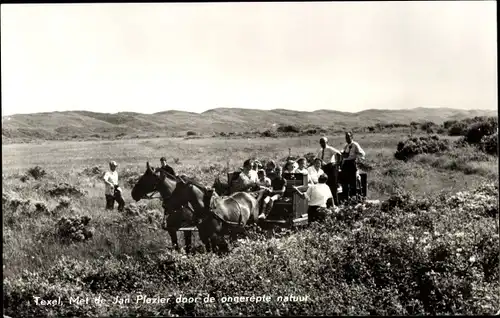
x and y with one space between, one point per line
165 183
221 215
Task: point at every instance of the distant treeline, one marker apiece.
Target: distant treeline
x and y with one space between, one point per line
465 127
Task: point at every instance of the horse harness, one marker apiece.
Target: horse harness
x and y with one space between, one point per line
209 200
213 208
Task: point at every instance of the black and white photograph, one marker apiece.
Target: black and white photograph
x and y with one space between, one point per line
328 158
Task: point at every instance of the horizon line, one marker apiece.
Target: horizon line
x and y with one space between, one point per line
258 109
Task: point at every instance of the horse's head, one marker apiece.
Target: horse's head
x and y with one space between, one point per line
149 182
189 191
220 187
181 194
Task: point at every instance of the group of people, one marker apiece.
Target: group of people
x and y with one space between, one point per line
323 176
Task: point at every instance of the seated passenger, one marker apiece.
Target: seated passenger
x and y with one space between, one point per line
263 182
256 165
302 166
245 181
270 167
289 167
278 185
315 171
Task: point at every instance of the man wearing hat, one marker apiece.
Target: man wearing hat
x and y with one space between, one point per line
112 191
329 158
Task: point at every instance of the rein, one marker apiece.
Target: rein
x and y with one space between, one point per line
151 196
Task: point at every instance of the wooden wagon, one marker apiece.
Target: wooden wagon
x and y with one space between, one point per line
291 209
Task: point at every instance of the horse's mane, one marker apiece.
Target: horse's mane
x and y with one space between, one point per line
192 181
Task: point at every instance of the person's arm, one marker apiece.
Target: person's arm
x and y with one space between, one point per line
360 151
268 183
283 189
334 155
304 195
106 177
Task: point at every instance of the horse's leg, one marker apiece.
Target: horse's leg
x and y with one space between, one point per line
215 234
173 238
188 235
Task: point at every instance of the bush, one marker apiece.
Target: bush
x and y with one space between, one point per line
458 129
288 129
65 189
489 144
477 131
311 131
427 126
449 123
269 133
191 133
36 172
95 171
74 229
413 146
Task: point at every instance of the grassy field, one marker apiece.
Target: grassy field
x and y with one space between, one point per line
129 254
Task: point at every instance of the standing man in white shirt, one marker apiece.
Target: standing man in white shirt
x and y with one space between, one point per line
112 191
330 158
318 196
352 151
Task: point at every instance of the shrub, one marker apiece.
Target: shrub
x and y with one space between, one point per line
36 172
458 129
95 171
269 133
74 229
288 129
311 131
489 144
191 133
413 146
477 131
429 125
449 123
65 189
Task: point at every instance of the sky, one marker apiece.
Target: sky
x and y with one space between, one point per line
346 56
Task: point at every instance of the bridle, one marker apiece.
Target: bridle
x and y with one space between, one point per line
155 190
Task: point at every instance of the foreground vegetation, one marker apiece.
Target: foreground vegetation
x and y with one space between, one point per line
431 247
